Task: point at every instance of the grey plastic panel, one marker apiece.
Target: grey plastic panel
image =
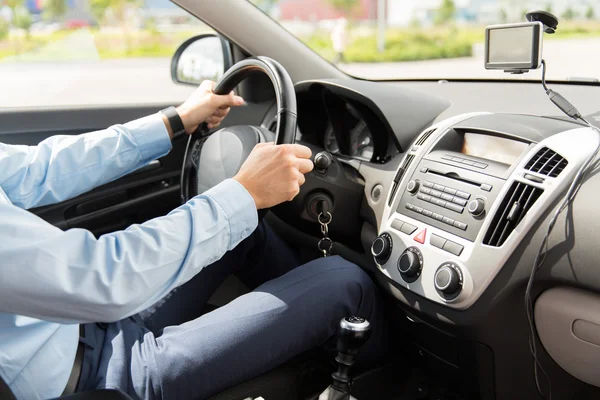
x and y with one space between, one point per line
480 264
528 127
568 324
506 97
407 111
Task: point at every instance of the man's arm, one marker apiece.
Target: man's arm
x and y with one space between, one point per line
62 167
73 277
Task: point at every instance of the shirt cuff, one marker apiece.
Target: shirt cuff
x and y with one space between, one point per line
151 136
239 206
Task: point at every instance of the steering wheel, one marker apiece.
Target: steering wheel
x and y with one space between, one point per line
211 158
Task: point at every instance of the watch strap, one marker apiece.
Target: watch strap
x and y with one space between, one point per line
174 120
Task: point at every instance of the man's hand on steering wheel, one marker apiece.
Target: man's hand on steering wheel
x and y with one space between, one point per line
205 106
273 174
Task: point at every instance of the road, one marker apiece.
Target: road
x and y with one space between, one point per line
85 79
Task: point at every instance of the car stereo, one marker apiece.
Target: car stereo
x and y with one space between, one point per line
459 178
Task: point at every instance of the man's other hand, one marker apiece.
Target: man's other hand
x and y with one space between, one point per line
206 106
273 174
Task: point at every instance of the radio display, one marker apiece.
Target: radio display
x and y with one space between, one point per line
502 150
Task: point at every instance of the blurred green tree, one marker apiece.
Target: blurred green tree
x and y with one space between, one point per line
118 8
503 15
4 29
345 6
569 14
590 14
54 9
445 12
22 19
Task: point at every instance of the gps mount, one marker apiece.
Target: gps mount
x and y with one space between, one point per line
547 19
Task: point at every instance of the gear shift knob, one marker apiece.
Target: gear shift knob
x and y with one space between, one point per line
353 334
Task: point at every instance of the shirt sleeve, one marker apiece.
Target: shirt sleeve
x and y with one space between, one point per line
62 167
72 277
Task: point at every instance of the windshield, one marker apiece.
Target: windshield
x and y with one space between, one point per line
436 39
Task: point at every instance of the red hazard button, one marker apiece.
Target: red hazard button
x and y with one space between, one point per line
420 238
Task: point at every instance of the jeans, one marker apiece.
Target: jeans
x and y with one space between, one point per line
171 351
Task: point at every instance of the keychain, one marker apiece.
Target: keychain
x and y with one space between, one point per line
325 244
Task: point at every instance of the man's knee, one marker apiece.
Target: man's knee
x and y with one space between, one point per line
338 273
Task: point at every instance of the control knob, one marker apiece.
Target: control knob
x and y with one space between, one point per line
412 187
381 248
323 160
448 281
476 206
410 264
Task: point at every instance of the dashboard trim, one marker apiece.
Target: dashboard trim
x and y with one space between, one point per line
479 264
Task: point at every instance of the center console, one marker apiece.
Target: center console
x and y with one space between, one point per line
466 193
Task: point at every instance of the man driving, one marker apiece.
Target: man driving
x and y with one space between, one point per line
124 310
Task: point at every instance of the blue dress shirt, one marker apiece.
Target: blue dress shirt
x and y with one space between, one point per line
51 280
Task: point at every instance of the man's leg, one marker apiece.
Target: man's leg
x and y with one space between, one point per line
259 258
251 335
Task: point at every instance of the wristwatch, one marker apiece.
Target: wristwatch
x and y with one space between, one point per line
175 122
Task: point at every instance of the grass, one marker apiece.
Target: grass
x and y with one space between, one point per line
413 44
92 44
406 44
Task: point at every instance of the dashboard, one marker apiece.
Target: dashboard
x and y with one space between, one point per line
457 191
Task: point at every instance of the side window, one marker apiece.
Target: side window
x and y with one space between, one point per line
91 52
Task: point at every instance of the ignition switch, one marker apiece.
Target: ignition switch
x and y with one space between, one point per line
319 203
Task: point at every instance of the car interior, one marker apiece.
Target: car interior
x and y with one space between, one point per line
442 191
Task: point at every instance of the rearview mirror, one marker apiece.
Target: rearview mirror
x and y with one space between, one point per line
200 58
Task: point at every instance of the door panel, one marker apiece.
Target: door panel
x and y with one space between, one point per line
144 194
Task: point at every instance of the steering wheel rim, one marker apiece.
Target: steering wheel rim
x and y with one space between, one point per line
285 96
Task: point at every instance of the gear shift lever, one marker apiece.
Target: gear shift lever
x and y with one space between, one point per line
353 333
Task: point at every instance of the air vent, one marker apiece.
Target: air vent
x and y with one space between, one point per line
399 174
424 137
547 162
517 202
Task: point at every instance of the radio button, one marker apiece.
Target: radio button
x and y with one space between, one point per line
453 248
450 191
436 193
455 208
460 225
464 195
459 201
447 197
425 191
397 224
439 187
480 165
439 202
468 162
437 241
418 210
439 217
486 187
427 213
408 228
410 207
428 184
424 197
448 221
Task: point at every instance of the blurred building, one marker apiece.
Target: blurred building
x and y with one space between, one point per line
318 10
